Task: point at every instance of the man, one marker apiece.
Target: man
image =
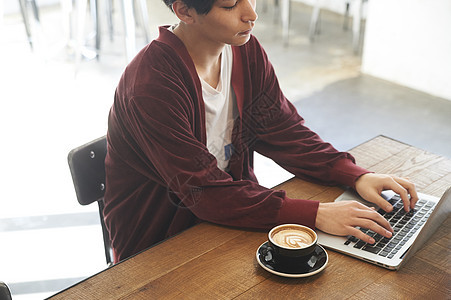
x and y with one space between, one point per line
189 112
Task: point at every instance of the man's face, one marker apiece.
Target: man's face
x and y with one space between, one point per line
228 22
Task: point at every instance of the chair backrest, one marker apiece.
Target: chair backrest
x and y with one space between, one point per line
87 167
5 294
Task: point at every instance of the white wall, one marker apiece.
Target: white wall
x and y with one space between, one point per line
409 42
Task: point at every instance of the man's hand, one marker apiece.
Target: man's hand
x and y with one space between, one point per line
342 218
370 187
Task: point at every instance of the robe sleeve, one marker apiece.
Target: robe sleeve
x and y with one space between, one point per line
280 133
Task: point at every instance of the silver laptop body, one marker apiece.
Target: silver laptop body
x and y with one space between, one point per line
411 230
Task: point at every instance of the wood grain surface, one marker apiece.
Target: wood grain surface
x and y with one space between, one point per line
216 262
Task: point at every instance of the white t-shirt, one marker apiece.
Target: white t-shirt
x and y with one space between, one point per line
220 112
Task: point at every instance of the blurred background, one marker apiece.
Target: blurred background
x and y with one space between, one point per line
354 70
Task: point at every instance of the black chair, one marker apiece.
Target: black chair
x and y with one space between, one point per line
5 294
87 167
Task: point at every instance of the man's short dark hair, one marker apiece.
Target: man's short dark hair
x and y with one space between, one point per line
202 7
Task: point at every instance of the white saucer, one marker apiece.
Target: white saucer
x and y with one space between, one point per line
314 265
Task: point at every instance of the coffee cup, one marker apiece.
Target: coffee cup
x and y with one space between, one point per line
292 242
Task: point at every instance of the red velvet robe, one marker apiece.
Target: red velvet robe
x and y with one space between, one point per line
160 177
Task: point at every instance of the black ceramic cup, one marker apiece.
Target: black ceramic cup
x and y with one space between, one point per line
290 242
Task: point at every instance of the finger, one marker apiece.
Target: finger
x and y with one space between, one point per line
377 199
374 228
369 218
368 238
401 187
390 183
410 187
374 221
361 236
377 228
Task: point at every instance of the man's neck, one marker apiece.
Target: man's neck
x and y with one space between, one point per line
206 56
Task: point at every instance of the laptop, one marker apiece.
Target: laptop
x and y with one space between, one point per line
411 230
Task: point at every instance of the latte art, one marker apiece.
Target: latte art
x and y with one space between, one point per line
292 238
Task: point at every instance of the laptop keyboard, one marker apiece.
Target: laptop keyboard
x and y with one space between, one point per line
405 225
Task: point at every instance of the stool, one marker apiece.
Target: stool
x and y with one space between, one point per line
357 6
24 11
128 13
357 9
131 12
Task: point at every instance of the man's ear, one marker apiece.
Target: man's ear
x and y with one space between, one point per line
182 12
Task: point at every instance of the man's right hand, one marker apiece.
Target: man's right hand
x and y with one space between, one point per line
342 218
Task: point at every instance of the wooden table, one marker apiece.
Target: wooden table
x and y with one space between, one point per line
215 262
